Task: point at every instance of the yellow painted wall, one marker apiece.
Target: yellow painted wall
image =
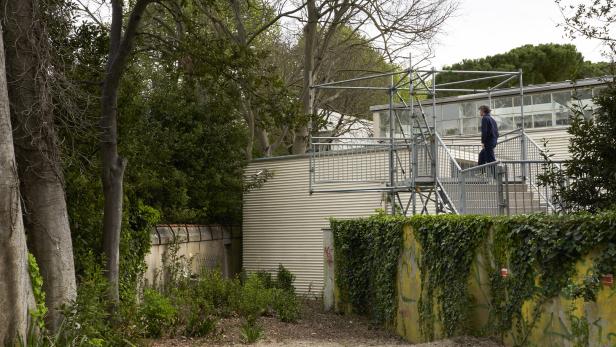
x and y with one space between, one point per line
556 324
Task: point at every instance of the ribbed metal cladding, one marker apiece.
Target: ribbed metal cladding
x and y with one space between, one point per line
282 222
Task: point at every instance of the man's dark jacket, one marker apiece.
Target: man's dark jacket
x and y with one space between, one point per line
489 131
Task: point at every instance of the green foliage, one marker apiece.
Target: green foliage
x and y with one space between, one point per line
448 246
87 320
37 315
254 299
541 64
367 252
250 331
593 161
286 305
539 251
157 313
284 279
266 278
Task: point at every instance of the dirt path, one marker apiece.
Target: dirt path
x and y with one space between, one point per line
316 328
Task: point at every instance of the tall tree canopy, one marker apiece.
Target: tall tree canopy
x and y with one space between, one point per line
541 64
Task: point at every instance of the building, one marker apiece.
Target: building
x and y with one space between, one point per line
283 222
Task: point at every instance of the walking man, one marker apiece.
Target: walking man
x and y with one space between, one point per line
489 136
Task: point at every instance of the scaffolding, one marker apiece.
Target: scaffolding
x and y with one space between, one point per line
413 166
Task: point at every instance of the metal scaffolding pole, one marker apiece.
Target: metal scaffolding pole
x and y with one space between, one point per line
434 162
391 147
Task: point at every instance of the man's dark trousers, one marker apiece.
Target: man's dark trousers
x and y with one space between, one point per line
487 155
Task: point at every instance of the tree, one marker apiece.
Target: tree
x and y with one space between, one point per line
540 64
593 159
590 19
253 29
15 290
29 73
113 165
592 142
396 26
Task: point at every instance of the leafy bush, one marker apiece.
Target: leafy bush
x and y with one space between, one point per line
223 293
87 319
254 299
38 314
284 279
157 313
201 320
286 305
266 279
250 331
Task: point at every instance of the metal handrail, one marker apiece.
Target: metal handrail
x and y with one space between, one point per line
451 157
482 166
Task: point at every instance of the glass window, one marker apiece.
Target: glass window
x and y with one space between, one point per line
542 98
542 120
516 100
503 102
451 127
561 98
470 125
582 93
562 118
451 112
469 109
504 123
528 122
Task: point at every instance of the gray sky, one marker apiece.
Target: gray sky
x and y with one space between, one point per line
488 27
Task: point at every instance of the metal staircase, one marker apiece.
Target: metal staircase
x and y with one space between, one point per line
422 174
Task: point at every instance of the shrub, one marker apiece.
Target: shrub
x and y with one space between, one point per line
250 331
266 278
222 293
284 279
254 298
201 321
87 319
286 305
157 314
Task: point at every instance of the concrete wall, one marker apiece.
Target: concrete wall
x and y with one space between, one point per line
208 247
558 319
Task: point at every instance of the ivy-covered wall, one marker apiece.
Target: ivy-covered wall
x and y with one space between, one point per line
527 280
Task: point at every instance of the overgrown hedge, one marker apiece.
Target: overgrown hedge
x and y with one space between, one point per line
540 252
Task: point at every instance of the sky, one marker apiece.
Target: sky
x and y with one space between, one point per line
487 27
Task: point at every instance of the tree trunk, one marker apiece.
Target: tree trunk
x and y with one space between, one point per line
120 48
264 144
112 177
300 143
15 289
36 149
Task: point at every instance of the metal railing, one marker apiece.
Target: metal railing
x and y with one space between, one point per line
358 160
511 185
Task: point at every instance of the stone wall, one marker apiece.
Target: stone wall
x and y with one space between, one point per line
557 322
207 247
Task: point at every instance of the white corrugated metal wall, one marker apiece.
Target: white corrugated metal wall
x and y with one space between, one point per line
282 222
